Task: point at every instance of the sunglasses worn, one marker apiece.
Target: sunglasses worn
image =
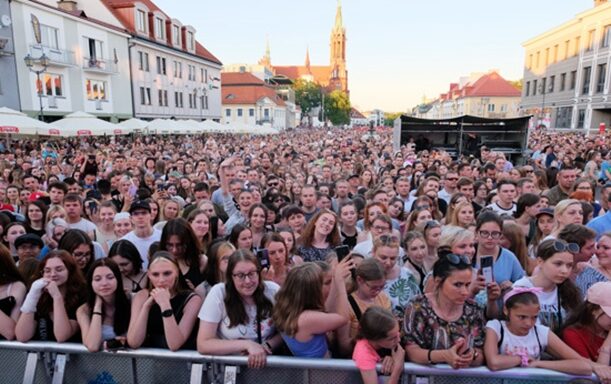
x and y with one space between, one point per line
560 246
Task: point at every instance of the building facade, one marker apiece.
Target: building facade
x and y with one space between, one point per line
9 88
566 72
87 61
172 74
485 95
251 101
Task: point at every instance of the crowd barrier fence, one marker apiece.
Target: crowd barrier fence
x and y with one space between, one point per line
46 362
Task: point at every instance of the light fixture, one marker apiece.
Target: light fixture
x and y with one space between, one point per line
29 61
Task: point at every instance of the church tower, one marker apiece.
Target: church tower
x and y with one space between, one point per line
339 74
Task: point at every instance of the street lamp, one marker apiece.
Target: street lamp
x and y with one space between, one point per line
42 62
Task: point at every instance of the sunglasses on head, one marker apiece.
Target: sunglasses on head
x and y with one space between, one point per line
560 246
431 224
457 259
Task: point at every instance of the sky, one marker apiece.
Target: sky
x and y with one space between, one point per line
397 50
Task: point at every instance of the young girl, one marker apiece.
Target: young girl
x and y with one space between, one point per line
415 254
544 225
378 329
519 341
300 314
348 217
105 315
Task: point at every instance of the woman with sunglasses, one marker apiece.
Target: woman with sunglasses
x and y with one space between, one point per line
164 315
235 318
445 325
400 286
559 297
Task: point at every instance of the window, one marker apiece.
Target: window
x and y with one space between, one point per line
577 46
591 40
175 35
534 87
546 56
205 76
178 69
555 57
190 41
143 61
543 84
190 100
581 118
239 112
94 47
96 89
251 112
567 46
178 101
563 117
606 37
50 85
503 108
191 72
537 62
490 107
530 61
49 36
552 81
602 77
141 21
266 113
163 98
573 80
228 112
562 81
204 101
587 72
527 89
145 96
161 68
159 28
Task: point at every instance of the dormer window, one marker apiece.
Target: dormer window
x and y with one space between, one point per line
176 35
190 41
159 28
141 21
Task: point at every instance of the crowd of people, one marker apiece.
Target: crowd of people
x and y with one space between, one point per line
312 243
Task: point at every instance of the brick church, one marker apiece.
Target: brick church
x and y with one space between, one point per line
331 77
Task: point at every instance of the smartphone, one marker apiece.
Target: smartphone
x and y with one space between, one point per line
132 191
342 251
263 256
93 206
486 268
114 344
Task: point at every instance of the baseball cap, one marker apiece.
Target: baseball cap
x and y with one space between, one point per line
29 238
545 211
139 204
598 293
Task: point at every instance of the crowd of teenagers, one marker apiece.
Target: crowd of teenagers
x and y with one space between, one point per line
312 243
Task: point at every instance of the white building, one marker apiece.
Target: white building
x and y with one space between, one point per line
88 60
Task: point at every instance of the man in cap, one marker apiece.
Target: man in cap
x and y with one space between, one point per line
28 246
143 234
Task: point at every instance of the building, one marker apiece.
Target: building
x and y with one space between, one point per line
88 61
357 119
566 72
172 74
249 100
331 77
9 91
485 95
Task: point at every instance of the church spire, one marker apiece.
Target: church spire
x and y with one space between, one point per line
307 59
267 50
339 25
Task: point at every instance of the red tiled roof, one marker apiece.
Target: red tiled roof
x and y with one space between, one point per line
320 73
246 94
492 84
240 78
355 114
116 5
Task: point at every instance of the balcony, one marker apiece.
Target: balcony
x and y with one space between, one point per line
57 57
94 64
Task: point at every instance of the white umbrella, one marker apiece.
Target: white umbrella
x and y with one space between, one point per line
187 127
19 123
162 126
85 124
213 126
134 124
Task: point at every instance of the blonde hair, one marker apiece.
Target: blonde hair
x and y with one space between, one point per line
454 216
451 234
560 208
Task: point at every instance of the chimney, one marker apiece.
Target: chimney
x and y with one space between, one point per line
67 5
599 2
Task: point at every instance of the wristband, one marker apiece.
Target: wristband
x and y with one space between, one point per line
429 357
97 313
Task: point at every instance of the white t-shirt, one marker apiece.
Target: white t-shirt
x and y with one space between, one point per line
84 225
500 210
514 345
143 244
549 313
213 311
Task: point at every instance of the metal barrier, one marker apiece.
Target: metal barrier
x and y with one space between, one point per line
44 362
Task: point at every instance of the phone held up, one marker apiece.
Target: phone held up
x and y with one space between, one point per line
263 256
486 268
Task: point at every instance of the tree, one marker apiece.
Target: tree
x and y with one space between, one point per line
337 107
307 95
390 118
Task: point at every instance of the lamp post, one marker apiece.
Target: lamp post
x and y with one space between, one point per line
37 66
542 114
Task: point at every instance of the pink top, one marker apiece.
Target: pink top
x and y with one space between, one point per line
365 356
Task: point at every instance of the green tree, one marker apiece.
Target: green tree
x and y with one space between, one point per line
337 107
390 118
307 95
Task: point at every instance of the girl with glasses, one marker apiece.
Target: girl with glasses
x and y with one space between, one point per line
445 325
559 296
164 315
235 318
80 246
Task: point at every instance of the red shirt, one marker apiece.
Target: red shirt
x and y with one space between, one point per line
583 342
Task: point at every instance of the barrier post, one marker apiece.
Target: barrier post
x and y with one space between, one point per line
59 368
197 371
231 374
30 368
